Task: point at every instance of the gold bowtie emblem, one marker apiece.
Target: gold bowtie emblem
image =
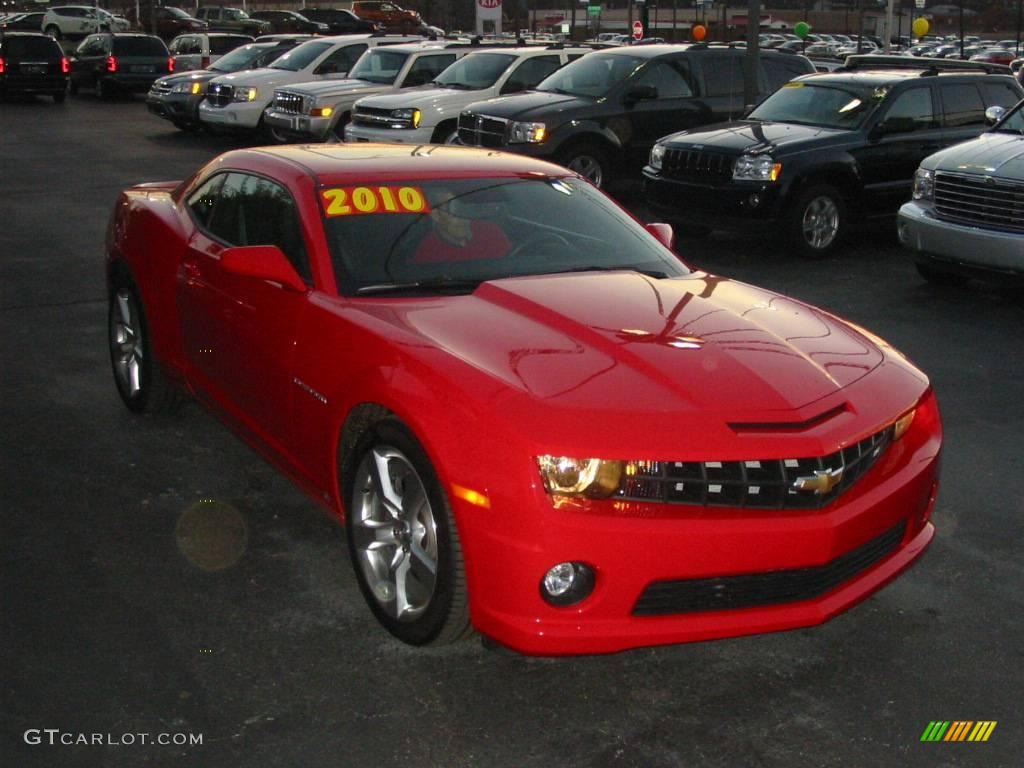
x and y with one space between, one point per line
821 482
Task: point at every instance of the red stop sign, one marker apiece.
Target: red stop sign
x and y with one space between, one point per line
638 30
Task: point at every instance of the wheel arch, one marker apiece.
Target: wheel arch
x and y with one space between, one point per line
842 176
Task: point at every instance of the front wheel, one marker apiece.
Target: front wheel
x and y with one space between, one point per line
139 378
588 161
402 539
818 220
446 133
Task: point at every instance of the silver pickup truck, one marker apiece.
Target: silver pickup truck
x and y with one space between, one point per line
318 110
966 217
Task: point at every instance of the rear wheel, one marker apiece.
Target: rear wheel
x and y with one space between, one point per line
818 220
402 538
53 31
73 87
59 97
589 161
104 89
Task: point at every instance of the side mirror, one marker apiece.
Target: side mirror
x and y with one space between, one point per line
994 114
663 234
263 262
641 93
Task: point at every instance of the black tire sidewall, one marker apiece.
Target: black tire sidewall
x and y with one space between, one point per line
590 150
139 402
432 623
797 216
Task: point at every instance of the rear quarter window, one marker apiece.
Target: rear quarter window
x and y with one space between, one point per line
723 75
31 47
999 95
222 45
139 46
962 105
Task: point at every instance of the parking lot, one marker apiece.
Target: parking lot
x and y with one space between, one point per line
116 622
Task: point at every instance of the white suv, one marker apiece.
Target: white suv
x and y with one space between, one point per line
81 20
430 115
317 110
236 101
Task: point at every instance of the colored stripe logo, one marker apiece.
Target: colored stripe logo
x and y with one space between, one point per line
958 730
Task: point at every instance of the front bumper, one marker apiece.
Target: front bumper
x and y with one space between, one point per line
421 135
134 83
176 107
748 207
242 115
634 545
959 245
39 84
299 126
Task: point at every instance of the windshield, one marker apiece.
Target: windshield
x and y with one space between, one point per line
378 66
234 13
476 71
438 235
1013 122
301 57
824 105
592 75
237 59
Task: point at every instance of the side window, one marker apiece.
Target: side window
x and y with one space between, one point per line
999 95
530 72
204 199
778 72
341 60
962 105
226 221
911 111
426 68
92 47
668 78
723 75
269 217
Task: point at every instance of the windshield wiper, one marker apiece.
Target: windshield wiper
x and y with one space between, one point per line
458 286
656 274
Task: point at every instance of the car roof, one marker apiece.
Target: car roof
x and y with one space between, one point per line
880 77
341 163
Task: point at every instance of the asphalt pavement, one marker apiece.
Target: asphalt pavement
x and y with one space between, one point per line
127 612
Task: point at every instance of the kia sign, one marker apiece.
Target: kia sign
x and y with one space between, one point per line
638 30
488 17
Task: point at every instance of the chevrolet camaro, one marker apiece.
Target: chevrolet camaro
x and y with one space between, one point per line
535 420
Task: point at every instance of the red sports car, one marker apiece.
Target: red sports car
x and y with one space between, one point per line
534 419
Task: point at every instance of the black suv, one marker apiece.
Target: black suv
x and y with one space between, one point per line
826 149
32 63
600 115
340 21
112 63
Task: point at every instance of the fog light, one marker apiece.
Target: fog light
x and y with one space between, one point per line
567 583
754 200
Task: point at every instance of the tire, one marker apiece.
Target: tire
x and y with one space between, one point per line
140 380
104 90
183 126
589 161
818 220
337 132
58 98
446 133
402 539
938 276
54 31
72 87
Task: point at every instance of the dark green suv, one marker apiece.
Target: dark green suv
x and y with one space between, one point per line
825 150
122 63
600 115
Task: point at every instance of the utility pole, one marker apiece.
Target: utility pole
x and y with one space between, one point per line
750 67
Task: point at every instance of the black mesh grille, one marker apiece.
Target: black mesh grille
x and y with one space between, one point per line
979 200
373 116
288 102
768 588
480 131
694 164
759 484
220 95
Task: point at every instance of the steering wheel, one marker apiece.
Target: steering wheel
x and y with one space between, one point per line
540 242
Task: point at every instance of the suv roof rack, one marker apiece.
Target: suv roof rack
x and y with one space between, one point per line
869 61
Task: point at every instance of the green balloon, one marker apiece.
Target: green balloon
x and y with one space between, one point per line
801 29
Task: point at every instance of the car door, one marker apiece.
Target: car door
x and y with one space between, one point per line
658 100
239 332
340 60
905 132
963 110
529 72
90 61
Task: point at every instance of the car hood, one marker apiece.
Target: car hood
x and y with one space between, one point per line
338 87
437 99
991 154
754 135
191 76
265 77
529 105
700 343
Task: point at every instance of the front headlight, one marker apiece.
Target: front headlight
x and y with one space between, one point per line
756 168
411 117
526 133
594 478
657 155
193 88
246 94
924 184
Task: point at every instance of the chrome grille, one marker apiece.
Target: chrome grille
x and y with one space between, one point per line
160 88
695 164
220 95
479 131
766 588
292 103
980 200
759 484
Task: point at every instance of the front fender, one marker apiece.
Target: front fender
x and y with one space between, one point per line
584 130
